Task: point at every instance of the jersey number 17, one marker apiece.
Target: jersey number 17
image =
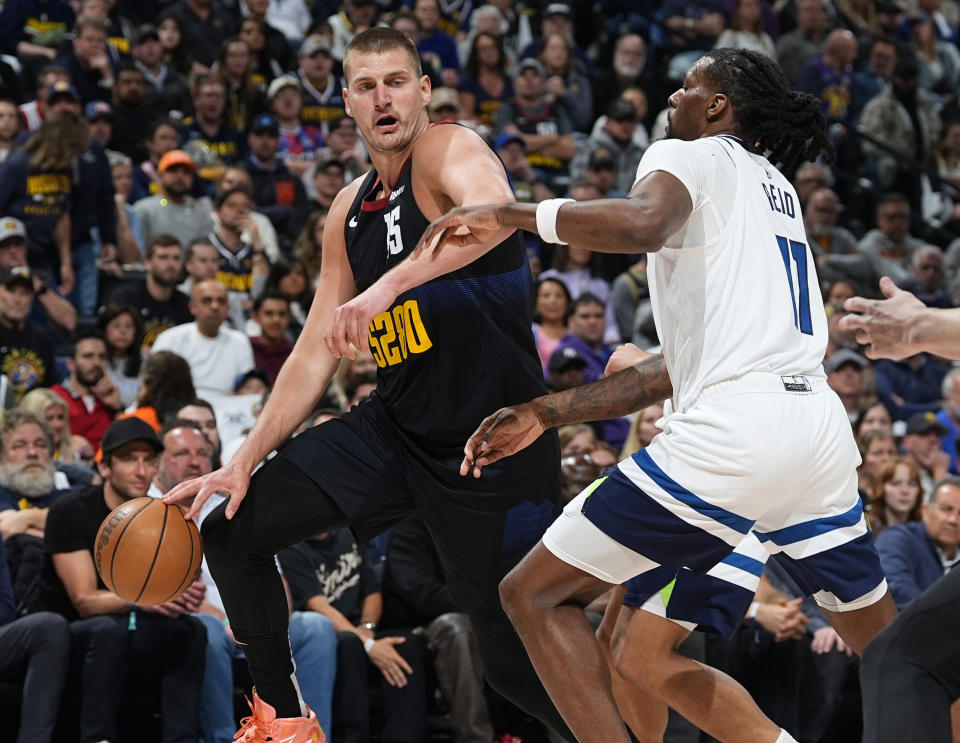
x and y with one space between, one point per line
795 253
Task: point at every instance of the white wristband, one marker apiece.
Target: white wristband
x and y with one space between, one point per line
547 219
754 608
367 644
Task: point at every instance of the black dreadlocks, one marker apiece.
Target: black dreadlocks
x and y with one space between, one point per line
786 124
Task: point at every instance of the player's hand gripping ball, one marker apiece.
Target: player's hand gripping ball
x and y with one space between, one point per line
146 551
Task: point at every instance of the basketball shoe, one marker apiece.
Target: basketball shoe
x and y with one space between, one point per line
263 726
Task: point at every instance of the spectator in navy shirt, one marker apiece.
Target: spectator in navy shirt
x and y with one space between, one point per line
910 385
917 554
437 48
20 28
91 67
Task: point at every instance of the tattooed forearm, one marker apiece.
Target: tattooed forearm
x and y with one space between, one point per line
632 389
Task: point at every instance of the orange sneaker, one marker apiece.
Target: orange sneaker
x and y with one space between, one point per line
263 726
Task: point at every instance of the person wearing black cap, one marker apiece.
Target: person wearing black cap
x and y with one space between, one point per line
133 111
613 146
166 89
566 369
328 179
277 192
512 150
110 637
26 352
921 444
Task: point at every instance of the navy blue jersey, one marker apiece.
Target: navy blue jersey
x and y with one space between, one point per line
457 348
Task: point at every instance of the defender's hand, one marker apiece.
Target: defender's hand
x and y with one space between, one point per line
624 357
884 325
504 433
465 225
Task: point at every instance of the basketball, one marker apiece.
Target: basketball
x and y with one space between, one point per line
146 551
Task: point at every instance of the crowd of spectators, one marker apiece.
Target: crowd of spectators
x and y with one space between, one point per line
166 167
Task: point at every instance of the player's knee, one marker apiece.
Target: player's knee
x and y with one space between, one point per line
635 663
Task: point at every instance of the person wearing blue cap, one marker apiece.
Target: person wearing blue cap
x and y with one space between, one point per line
527 186
99 116
277 192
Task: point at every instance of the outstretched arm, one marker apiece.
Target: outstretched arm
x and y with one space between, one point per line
657 207
301 381
511 429
901 325
476 176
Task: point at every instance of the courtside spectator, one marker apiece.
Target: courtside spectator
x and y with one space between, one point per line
916 554
27 474
115 644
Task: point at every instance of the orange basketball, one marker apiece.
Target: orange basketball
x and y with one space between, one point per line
147 552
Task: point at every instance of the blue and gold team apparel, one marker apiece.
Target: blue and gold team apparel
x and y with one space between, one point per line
26 359
158 314
38 198
227 143
235 272
43 23
449 353
11 501
320 107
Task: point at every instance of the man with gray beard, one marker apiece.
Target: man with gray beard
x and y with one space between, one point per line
628 69
27 487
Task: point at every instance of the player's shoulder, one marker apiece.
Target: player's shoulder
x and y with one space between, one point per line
686 148
438 140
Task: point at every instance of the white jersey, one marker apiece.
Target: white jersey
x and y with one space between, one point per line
735 290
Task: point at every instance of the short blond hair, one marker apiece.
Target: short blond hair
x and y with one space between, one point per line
378 40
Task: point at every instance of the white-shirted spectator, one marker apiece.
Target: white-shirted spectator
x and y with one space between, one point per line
217 355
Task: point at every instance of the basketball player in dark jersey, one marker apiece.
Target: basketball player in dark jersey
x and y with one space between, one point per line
452 341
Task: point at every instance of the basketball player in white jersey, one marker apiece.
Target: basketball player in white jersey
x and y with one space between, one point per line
753 437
